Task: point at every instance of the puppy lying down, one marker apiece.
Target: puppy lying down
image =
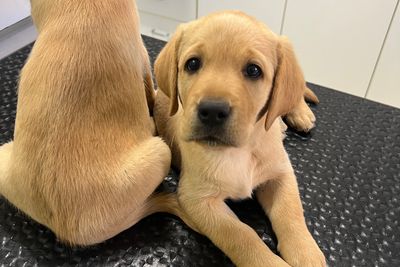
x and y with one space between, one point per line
224 82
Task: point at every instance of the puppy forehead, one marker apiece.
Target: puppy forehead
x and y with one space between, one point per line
227 35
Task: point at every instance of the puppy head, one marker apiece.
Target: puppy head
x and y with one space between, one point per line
228 71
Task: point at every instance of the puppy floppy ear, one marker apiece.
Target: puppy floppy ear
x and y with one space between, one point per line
166 69
288 86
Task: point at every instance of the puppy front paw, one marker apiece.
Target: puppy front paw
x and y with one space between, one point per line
302 252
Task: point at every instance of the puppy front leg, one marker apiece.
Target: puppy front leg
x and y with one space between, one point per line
281 201
238 241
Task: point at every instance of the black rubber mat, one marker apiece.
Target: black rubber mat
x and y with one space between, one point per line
349 176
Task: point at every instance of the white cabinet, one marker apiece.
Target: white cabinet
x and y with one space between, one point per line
338 42
159 18
180 10
385 84
16 28
268 11
12 11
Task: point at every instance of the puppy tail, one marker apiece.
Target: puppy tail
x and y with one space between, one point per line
310 96
167 202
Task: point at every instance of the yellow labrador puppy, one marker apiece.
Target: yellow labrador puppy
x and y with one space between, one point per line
84 162
225 81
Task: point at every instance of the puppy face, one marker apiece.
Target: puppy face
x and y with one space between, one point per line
226 71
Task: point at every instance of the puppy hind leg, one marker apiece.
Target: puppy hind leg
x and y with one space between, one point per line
127 193
301 117
163 202
149 163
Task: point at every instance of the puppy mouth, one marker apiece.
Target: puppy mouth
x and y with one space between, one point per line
211 141
211 136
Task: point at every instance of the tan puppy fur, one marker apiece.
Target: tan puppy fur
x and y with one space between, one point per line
84 161
246 153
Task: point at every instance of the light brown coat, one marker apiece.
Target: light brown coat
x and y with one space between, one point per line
84 161
250 154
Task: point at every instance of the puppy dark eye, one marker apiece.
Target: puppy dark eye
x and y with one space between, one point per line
193 64
253 71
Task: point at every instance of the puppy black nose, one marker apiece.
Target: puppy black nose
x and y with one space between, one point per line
213 113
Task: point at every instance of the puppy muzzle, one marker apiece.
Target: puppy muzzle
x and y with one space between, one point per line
211 124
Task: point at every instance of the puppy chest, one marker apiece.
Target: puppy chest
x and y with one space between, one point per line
236 185
231 173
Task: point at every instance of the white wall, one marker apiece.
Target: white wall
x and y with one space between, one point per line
385 85
338 42
12 11
268 11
